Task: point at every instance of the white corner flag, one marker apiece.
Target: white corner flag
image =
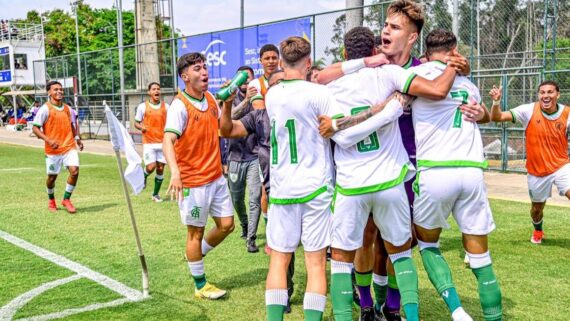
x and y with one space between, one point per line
121 140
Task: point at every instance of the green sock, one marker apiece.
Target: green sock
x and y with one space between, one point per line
66 195
157 183
440 276
314 315
537 226
275 312
379 295
407 278
199 280
489 293
392 283
51 193
341 295
145 176
265 218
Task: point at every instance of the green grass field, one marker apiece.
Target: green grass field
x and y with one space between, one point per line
534 279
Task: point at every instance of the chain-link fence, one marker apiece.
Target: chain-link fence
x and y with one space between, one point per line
510 43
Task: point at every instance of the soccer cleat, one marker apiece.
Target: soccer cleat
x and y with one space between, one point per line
391 315
251 247
68 206
209 292
378 316
244 233
52 206
537 237
366 314
156 198
460 315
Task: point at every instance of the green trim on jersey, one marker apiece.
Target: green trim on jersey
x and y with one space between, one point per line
337 116
300 200
172 130
157 106
291 80
453 163
60 108
37 125
408 64
187 95
514 117
254 98
374 188
550 115
408 83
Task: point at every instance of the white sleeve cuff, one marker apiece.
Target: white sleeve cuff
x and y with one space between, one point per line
353 65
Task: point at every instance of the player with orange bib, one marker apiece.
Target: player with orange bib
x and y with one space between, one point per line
55 125
150 119
192 151
546 124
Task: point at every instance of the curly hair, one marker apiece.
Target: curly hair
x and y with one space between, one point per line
359 43
410 9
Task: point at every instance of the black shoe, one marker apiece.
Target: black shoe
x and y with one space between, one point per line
244 234
378 316
251 247
366 314
391 316
288 307
355 294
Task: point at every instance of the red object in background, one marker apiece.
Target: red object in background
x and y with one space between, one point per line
20 121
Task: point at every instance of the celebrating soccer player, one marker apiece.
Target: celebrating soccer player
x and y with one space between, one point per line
546 124
192 151
150 119
58 130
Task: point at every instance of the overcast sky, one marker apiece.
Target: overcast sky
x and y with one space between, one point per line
193 16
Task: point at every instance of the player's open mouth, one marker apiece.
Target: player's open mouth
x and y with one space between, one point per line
386 42
546 102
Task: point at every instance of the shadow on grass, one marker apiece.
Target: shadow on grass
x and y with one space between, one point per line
196 303
559 242
243 280
96 208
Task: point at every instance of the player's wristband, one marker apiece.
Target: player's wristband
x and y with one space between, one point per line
334 125
496 102
77 138
353 65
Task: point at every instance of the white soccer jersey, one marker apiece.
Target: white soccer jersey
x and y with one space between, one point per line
301 160
257 84
139 113
380 161
443 138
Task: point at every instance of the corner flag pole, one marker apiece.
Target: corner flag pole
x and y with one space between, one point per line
116 148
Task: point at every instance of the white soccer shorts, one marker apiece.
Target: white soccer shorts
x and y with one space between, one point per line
309 223
54 162
152 153
390 210
460 191
540 188
211 199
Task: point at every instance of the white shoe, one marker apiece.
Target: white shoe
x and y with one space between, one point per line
460 315
466 260
156 198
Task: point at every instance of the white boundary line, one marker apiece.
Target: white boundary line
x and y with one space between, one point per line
8 311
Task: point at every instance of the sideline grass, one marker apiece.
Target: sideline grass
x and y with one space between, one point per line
534 279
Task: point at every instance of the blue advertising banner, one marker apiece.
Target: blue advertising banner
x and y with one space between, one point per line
226 51
6 65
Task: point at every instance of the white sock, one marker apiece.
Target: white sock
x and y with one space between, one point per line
381 280
460 315
395 257
69 188
479 260
159 177
196 268
314 301
425 245
206 247
276 297
338 267
50 190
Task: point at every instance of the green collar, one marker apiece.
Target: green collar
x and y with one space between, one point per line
192 98
56 106
553 113
408 64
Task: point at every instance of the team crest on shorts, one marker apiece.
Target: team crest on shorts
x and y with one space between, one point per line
195 212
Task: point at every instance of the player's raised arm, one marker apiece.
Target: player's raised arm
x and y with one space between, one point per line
230 128
435 89
496 114
339 69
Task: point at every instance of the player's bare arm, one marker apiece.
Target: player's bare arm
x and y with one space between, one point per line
75 132
40 134
175 186
436 89
140 126
328 126
239 110
230 128
496 114
336 70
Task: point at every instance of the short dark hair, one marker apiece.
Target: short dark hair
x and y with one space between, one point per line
267 48
411 10
310 72
152 84
551 83
52 83
187 60
275 72
439 40
294 49
359 43
377 40
248 68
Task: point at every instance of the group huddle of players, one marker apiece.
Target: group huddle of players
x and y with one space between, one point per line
407 154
